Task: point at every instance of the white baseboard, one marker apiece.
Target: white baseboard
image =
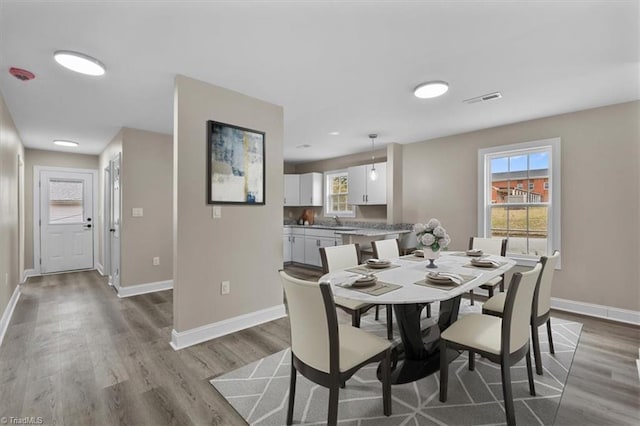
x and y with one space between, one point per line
135 290
29 273
183 339
100 268
8 312
598 311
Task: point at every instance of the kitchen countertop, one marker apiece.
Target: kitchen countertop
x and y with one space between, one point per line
351 230
372 232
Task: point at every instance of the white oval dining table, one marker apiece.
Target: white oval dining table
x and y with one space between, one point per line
419 353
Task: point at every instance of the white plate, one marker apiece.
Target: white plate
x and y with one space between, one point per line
364 282
375 263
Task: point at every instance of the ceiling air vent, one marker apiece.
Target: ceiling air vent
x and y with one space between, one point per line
484 98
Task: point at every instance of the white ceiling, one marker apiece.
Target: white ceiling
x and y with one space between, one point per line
345 66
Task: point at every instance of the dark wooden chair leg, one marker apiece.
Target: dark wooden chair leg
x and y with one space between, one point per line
472 361
507 393
428 310
332 418
377 312
386 383
292 393
532 387
536 349
471 296
502 285
550 337
389 310
490 289
354 318
444 371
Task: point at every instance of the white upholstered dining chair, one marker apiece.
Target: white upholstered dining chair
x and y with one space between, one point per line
344 256
540 310
489 246
502 340
325 352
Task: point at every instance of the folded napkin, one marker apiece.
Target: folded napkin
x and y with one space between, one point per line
446 275
484 262
419 253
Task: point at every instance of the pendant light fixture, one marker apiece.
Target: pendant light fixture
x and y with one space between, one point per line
373 174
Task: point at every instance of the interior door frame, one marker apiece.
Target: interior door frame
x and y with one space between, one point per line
106 223
36 210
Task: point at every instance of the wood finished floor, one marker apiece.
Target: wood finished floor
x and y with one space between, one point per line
75 353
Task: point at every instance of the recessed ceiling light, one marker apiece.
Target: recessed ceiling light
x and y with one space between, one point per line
79 62
334 133
306 145
66 143
431 89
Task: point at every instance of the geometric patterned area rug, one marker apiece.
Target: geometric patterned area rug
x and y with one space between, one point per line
259 391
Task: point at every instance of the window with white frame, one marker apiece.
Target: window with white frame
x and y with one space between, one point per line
528 218
336 194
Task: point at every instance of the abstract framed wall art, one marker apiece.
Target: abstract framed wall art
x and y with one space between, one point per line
235 164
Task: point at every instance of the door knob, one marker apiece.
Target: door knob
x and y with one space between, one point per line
112 230
88 226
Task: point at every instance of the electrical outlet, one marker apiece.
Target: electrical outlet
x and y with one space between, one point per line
225 287
156 261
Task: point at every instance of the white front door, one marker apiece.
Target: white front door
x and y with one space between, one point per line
66 221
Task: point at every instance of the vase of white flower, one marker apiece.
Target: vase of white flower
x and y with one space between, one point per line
432 237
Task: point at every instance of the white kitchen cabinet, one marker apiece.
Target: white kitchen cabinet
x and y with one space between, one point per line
291 190
286 245
312 249
363 190
311 189
297 246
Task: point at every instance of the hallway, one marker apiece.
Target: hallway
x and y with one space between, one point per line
77 354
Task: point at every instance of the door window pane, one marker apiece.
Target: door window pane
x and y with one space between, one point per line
66 201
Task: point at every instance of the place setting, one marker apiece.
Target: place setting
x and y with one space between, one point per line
368 284
373 265
484 263
416 256
475 253
444 280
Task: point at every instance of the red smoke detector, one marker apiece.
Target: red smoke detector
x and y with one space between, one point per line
21 74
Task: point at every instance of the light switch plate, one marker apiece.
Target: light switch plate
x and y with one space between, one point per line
137 212
217 212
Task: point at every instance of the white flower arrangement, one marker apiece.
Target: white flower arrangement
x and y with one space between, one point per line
432 235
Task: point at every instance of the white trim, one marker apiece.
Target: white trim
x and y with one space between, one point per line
36 210
134 290
28 273
183 339
554 175
99 268
8 312
597 311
